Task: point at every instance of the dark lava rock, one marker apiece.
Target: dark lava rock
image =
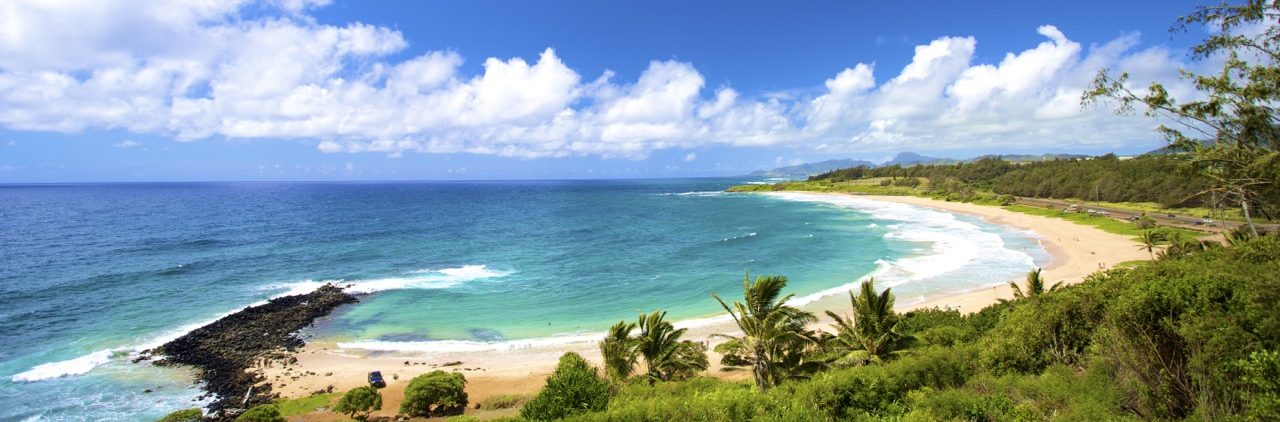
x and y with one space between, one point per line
224 350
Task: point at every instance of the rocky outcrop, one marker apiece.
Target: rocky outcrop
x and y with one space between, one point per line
225 350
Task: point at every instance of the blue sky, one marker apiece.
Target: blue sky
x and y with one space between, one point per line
378 90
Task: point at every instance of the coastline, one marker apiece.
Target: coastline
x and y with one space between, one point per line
1076 251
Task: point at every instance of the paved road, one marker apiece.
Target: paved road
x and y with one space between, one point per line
1183 221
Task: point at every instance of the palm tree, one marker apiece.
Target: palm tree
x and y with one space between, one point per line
871 333
667 357
1182 246
1035 286
619 350
772 332
1149 240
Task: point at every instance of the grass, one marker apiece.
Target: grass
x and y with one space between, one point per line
1131 264
304 405
1107 224
1224 214
504 401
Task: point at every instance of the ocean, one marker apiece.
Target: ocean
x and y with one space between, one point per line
92 273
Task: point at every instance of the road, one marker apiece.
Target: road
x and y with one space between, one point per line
1183 221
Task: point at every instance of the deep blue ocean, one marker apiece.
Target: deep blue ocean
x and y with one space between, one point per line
90 274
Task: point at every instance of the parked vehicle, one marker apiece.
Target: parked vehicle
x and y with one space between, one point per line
375 379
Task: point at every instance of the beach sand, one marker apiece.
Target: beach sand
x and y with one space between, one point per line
1076 251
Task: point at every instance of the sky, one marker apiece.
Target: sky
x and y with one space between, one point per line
241 90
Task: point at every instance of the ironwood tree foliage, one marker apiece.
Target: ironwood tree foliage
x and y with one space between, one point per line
1152 178
436 393
575 387
1230 129
359 402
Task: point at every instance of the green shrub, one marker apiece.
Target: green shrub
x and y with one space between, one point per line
1056 327
936 326
880 389
1059 393
261 413
184 415
1262 375
574 387
359 402
1179 328
436 393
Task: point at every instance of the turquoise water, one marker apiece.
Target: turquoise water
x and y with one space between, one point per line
92 273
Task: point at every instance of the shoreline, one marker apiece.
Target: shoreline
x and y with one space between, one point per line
1076 252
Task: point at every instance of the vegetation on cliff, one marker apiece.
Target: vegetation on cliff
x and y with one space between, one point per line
1193 336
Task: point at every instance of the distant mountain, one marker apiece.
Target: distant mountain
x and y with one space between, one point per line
809 169
907 159
1026 158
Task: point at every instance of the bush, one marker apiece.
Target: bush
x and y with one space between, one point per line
935 326
1058 394
1178 330
1056 327
359 402
574 387
1262 374
261 413
880 389
184 415
436 393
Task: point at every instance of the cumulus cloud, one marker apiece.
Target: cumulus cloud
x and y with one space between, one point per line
126 144
197 69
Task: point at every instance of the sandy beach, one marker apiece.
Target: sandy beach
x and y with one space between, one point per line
1076 251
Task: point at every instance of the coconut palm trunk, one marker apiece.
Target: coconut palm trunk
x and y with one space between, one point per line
770 328
761 370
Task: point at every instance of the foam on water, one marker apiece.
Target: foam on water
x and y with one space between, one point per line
462 346
77 366
84 364
466 346
695 193
948 244
420 279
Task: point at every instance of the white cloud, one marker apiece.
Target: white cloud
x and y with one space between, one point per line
197 69
690 156
127 143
